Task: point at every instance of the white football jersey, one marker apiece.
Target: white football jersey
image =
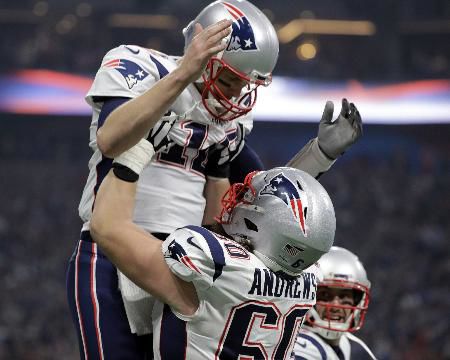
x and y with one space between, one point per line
310 346
245 310
170 189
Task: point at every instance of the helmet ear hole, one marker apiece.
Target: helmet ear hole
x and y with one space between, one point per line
250 225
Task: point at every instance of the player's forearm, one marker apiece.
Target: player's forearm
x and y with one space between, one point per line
114 206
214 191
130 122
311 159
128 246
134 251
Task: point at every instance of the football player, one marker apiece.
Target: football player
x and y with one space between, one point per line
198 108
342 302
240 291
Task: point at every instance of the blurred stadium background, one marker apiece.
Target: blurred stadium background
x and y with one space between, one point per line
391 191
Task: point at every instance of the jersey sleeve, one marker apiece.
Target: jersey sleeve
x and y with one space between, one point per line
308 347
126 71
196 255
359 349
243 164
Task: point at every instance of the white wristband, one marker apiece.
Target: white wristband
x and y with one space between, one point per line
138 157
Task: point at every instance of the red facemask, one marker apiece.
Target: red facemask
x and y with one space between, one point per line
217 104
236 195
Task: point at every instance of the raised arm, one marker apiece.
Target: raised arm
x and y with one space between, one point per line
134 251
131 121
333 139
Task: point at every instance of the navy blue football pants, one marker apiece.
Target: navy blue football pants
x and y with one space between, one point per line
97 308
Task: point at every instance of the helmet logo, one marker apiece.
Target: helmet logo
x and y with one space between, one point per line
242 36
284 189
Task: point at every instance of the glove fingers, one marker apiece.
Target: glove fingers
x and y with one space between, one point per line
345 109
327 115
355 119
358 123
352 113
159 135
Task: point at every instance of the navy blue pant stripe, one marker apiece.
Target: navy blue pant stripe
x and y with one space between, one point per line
97 308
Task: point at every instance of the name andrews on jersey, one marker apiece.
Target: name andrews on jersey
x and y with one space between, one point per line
267 283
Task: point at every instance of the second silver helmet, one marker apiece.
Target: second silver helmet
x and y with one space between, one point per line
285 214
343 273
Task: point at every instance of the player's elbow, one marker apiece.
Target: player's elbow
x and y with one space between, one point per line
98 227
105 145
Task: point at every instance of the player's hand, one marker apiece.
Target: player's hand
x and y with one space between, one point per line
205 44
159 135
335 137
226 154
218 164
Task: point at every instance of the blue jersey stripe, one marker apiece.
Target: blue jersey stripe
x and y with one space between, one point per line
338 352
161 69
102 170
316 344
215 248
173 337
109 105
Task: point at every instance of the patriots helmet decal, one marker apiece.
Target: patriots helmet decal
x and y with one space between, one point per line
283 188
242 36
131 71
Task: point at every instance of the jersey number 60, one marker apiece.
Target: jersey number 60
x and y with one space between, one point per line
236 343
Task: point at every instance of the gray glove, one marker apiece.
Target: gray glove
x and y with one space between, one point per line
335 137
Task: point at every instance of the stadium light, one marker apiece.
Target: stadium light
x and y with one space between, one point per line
296 27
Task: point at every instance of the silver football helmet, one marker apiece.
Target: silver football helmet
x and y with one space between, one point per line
341 270
251 55
286 216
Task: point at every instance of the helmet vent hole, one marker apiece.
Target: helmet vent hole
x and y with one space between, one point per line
250 225
305 212
300 186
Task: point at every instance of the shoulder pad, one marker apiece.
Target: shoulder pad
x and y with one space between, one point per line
195 254
127 71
